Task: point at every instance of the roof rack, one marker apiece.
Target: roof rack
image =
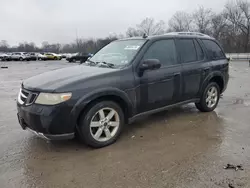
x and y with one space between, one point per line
189 33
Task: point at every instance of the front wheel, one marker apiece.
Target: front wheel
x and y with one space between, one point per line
210 98
101 124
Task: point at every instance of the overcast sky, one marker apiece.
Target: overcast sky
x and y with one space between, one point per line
58 20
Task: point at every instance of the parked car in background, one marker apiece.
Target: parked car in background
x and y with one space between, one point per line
125 80
53 56
63 55
82 57
32 56
19 56
42 57
8 56
4 57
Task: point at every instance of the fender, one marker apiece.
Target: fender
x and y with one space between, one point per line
209 77
86 99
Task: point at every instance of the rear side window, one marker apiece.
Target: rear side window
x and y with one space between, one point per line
214 50
199 51
187 50
164 51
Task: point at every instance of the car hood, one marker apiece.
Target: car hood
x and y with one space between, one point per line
53 80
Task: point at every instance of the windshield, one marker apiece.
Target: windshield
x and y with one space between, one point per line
118 53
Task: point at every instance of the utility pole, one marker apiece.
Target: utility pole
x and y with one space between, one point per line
77 40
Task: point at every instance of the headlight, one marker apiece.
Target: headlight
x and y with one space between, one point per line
52 98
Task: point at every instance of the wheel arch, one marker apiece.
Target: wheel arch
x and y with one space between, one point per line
110 94
214 77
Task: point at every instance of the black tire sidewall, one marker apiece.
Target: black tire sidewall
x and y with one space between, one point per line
203 104
84 124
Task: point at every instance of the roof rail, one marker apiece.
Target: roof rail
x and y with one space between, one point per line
188 33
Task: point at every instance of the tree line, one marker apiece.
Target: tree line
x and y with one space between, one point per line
231 27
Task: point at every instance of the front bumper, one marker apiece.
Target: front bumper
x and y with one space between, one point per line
52 137
50 122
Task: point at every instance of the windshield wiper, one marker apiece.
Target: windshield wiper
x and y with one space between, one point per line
91 62
110 65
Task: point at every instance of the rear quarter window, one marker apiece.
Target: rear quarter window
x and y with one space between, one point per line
213 49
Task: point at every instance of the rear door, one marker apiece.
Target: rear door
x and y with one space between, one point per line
194 67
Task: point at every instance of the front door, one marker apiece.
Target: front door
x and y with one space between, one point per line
161 87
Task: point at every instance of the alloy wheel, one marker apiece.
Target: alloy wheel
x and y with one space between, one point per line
212 97
104 124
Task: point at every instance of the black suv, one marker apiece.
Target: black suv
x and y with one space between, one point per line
126 79
82 57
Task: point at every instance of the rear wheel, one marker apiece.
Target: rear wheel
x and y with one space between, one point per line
101 125
210 98
20 59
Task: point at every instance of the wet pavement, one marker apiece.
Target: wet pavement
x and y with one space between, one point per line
180 148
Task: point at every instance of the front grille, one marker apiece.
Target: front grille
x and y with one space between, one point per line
26 97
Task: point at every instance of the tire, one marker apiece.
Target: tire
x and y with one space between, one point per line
210 93
20 59
103 132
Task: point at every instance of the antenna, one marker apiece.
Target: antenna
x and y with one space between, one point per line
77 39
145 36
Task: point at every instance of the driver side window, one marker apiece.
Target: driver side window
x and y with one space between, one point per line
164 51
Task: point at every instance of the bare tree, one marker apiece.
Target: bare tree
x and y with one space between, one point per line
238 14
181 21
132 32
4 46
148 26
218 25
202 20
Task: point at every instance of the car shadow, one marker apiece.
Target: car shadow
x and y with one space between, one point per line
178 116
153 123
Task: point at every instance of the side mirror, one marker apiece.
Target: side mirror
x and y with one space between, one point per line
150 64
